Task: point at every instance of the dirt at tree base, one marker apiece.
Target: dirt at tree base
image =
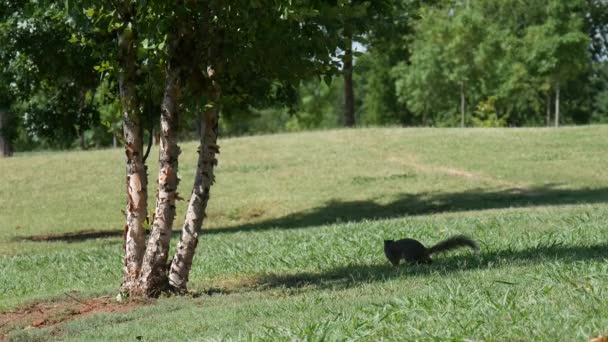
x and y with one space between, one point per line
55 313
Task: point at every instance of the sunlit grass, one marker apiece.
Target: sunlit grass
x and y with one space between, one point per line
293 248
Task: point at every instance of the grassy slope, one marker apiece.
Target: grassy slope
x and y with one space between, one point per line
296 228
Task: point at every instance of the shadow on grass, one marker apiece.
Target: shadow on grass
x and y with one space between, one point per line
426 203
82 235
406 204
353 275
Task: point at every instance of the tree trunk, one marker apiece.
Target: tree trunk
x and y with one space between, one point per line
81 120
557 104
349 95
548 109
6 149
462 104
83 145
153 278
136 211
208 148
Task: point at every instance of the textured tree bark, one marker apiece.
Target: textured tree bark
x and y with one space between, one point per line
153 279
6 149
136 211
204 178
557 104
349 94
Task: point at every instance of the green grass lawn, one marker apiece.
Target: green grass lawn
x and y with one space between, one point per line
295 230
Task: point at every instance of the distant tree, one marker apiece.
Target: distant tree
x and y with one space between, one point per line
388 44
558 48
596 26
599 82
376 83
7 56
351 21
514 61
53 73
6 150
320 105
443 64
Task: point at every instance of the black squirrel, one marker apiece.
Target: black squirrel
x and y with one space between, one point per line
414 252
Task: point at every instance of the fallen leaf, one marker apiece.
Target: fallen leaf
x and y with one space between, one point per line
599 339
38 322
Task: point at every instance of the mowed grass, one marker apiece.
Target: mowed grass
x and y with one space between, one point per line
293 242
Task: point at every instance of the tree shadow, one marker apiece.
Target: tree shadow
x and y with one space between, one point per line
79 236
353 275
424 204
406 204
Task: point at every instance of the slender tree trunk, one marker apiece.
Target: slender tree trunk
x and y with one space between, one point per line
6 149
153 278
81 119
136 211
81 140
462 104
204 178
557 104
548 109
349 95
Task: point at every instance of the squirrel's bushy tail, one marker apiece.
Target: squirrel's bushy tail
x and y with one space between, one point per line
453 243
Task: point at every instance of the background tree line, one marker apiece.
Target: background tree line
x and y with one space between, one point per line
419 63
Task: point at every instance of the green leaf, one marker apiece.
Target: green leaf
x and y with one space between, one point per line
90 12
73 39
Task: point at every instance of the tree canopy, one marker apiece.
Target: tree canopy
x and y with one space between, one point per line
423 63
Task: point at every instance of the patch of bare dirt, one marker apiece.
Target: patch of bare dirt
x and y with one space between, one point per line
50 314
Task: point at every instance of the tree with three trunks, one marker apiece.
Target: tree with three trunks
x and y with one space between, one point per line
209 54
